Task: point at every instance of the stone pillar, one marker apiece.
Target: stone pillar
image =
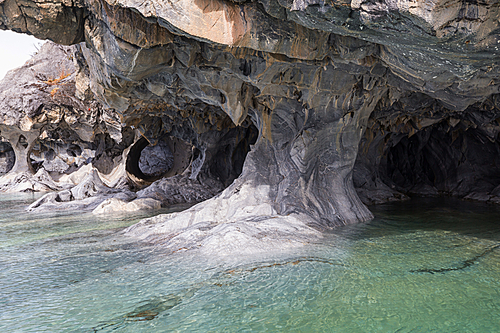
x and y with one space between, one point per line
300 169
22 150
305 159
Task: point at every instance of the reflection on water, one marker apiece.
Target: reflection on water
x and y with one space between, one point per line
420 266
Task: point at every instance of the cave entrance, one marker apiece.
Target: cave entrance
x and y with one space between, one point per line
442 160
226 160
7 156
146 162
216 163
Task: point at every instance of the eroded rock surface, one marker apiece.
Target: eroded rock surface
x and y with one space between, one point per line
426 149
71 140
115 205
48 120
155 161
87 195
298 85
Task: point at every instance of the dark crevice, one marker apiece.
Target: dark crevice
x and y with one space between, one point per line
227 161
7 157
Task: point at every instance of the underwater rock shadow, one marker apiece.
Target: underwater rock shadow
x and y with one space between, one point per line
150 310
465 264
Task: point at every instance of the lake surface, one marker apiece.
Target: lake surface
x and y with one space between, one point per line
427 265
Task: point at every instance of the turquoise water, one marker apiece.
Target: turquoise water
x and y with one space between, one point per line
420 266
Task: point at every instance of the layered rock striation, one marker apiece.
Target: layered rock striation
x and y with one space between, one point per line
58 137
395 91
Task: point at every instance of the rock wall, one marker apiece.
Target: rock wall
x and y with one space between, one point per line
51 123
58 137
417 146
307 75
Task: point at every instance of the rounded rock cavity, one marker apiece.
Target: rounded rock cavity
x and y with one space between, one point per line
156 160
7 157
146 162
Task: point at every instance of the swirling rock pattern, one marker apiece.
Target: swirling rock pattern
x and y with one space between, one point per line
311 76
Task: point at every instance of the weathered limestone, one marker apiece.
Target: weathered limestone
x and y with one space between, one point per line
22 143
285 102
307 75
114 205
44 117
27 182
65 141
87 195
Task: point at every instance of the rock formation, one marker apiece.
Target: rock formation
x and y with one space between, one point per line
59 138
419 147
47 120
412 86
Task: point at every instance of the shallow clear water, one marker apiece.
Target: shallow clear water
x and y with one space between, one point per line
420 266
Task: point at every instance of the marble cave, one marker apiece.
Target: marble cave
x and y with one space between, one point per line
282 118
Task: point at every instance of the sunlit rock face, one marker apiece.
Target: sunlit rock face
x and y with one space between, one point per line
310 77
57 137
52 124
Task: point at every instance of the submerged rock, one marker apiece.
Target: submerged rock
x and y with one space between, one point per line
115 205
148 310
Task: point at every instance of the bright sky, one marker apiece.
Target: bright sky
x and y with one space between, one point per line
15 50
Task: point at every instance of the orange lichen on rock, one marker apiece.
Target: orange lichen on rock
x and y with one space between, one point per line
53 82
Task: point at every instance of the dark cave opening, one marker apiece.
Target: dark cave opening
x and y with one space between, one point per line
7 157
448 154
74 150
440 160
418 146
457 160
221 160
227 161
149 162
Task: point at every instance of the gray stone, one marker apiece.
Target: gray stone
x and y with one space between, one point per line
115 205
87 195
157 160
401 97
